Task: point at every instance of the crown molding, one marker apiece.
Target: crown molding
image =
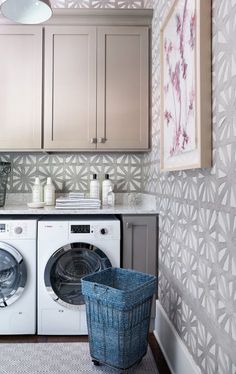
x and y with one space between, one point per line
95 17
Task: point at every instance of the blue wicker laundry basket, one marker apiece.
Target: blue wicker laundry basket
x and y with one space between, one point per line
118 308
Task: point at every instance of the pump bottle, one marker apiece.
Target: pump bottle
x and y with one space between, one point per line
94 188
107 185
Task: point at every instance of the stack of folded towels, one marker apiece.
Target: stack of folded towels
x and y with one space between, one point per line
76 200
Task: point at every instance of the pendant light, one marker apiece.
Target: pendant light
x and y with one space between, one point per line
27 11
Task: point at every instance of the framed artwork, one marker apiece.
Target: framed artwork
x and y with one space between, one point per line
186 86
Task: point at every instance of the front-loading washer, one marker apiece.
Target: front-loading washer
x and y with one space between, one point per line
17 276
67 251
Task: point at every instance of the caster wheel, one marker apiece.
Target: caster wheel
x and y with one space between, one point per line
95 362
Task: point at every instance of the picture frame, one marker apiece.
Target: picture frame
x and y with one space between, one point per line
186 115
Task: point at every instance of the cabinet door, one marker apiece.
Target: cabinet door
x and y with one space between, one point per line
20 87
140 243
70 87
140 247
123 88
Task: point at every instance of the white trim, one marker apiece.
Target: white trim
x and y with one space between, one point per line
175 352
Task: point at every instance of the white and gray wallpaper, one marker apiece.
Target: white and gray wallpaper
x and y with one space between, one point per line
197 253
97 3
73 172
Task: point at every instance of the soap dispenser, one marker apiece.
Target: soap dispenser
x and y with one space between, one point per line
111 198
94 188
107 185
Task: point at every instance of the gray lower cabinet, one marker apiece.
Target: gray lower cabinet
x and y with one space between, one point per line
140 245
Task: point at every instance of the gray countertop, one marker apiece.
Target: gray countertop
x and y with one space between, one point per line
16 204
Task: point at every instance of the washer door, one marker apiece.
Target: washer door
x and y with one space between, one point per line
13 275
67 266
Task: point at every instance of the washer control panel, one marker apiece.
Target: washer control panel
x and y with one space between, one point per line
13 229
17 229
3 227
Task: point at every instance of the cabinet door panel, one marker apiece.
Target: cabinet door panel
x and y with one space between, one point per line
70 87
123 90
20 87
140 246
140 243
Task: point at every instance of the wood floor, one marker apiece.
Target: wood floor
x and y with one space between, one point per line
157 353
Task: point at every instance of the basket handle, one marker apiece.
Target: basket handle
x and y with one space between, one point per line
101 286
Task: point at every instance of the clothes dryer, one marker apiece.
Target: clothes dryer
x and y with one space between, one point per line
67 251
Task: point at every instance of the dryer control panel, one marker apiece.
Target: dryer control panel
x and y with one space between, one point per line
80 229
95 229
86 229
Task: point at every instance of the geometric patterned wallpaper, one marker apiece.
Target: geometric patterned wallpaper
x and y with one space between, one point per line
97 3
197 250
71 172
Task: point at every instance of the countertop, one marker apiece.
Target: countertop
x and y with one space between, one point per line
133 203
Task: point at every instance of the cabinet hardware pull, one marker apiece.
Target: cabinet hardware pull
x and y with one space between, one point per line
101 140
93 140
129 225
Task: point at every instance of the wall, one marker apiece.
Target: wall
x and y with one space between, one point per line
74 171
197 254
197 258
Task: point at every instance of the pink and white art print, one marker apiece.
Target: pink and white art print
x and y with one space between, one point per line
179 88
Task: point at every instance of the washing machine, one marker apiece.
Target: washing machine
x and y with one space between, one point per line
18 276
67 251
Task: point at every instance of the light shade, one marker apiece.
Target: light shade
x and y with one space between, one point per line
27 11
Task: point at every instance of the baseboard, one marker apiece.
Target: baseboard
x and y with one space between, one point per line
175 352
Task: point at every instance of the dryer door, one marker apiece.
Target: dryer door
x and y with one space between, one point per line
13 275
67 266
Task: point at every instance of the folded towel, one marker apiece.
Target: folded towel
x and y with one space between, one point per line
77 203
75 195
64 200
78 207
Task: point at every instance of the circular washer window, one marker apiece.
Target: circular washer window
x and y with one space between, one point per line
13 275
67 266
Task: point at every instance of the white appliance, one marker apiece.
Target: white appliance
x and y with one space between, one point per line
67 251
17 276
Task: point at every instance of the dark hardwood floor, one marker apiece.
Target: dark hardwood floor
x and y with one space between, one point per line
157 353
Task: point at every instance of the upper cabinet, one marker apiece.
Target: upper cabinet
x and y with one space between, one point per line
70 87
20 87
122 88
79 82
